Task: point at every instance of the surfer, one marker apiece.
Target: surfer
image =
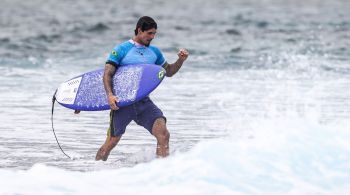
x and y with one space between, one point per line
144 112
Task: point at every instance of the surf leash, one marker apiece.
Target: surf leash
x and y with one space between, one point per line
53 130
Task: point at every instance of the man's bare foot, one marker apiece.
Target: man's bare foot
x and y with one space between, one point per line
106 148
102 154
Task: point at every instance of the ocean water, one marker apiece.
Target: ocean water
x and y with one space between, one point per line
261 106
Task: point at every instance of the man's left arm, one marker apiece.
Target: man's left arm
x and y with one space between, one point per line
172 69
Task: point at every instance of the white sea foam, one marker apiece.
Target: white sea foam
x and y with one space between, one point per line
292 156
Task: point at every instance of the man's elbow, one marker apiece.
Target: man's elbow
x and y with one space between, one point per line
169 74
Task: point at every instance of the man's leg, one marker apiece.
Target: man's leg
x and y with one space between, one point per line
119 119
110 143
162 134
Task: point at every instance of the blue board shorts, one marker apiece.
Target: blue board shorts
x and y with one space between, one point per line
143 112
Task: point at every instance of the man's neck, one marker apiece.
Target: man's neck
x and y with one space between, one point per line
137 42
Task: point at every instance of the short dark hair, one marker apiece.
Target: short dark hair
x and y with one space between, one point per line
145 23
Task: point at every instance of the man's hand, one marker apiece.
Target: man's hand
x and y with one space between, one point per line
183 54
112 101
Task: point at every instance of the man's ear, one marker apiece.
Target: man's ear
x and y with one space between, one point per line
139 30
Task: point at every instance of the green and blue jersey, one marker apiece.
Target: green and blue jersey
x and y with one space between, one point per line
131 52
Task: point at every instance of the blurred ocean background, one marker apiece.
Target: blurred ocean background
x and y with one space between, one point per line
261 106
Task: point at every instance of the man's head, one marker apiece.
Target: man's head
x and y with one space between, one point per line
146 28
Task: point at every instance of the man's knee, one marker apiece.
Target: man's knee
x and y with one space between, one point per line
164 135
113 140
160 130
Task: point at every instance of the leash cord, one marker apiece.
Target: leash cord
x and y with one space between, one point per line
53 130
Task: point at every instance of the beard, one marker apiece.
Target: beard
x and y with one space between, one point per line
147 43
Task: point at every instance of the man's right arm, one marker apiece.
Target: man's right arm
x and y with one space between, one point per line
107 82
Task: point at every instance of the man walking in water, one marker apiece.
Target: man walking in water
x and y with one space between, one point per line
144 112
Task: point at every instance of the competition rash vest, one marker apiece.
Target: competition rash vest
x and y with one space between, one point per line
131 52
